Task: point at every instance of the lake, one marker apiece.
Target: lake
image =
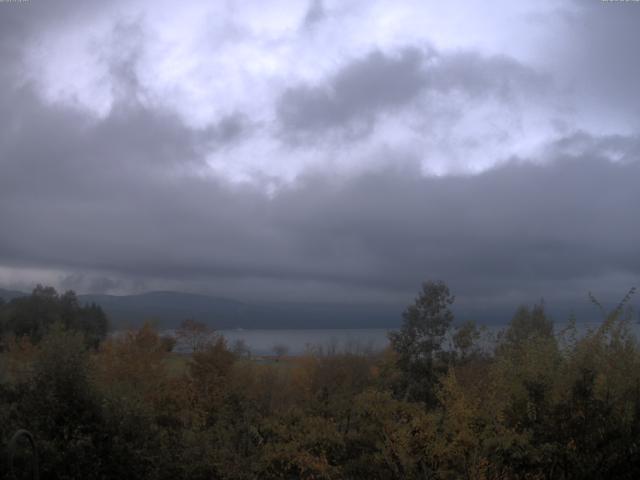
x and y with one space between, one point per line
262 342
297 341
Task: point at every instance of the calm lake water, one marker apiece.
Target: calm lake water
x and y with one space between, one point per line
263 342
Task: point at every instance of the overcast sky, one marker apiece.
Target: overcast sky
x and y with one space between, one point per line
323 150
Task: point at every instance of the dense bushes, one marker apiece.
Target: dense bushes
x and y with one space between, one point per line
538 404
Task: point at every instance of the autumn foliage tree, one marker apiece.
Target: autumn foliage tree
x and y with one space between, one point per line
193 335
538 403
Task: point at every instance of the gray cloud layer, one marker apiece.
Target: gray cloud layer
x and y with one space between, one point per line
363 88
381 84
110 196
127 201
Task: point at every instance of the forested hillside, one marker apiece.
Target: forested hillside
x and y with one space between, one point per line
167 309
534 405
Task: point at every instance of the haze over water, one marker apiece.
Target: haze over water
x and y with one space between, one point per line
298 341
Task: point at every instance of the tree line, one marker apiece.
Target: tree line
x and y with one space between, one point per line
440 402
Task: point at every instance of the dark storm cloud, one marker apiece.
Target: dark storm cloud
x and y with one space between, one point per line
381 84
86 195
518 223
228 129
127 199
358 91
110 195
56 150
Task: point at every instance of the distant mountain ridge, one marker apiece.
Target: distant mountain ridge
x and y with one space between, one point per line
11 294
167 309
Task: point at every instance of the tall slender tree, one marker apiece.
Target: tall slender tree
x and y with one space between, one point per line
418 344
